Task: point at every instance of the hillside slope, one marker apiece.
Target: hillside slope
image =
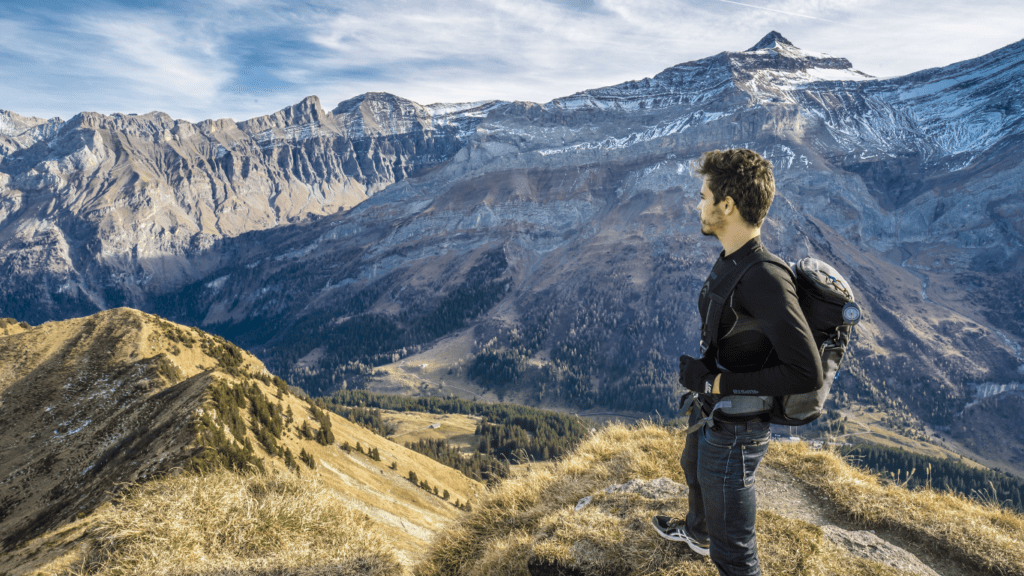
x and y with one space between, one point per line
123 397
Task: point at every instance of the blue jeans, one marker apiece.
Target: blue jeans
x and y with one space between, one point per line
719 463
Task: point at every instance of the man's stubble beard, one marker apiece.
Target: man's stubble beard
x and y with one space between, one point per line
712 226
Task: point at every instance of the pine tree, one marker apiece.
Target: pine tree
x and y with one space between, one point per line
289 460
307 458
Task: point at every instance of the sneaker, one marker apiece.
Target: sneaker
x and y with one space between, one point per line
675 529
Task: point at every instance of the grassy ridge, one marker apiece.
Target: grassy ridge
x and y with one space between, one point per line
531 520
986 536
226 523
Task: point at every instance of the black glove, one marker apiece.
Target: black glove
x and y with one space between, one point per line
696 375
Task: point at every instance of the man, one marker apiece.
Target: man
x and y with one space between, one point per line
764 349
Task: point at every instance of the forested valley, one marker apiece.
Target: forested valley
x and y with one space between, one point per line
508 433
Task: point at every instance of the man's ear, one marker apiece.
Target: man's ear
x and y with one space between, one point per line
728 205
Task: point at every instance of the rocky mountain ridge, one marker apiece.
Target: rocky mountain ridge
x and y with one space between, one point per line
563 234
104 209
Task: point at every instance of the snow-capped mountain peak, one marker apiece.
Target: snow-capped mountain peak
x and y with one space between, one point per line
772 40
767 72
775 45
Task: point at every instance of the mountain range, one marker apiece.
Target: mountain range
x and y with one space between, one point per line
558 240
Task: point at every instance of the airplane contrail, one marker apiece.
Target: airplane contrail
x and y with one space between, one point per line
779 11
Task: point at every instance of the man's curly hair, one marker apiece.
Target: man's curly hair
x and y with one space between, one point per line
742 174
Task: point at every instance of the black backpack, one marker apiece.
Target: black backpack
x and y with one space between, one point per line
826 299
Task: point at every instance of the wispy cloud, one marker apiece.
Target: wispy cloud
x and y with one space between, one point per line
242 58
776 10
159 56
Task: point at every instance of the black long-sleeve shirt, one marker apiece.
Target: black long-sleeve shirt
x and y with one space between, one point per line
763 339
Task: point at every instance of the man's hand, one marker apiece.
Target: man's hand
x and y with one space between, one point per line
695 375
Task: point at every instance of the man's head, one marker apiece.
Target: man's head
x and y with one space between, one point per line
739 177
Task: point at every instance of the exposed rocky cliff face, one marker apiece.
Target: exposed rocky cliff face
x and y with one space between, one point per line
101 210
565 231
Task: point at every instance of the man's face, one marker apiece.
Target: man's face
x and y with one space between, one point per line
712 220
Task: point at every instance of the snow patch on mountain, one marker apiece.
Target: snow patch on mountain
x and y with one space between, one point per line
788 50
833 75
7 128
453 114
26 131
982 390
674 126
964 108
297 133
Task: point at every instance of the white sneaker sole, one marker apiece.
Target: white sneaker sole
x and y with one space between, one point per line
677 537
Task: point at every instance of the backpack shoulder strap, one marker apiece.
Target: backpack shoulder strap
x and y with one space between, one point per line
719 294
773 259
724 287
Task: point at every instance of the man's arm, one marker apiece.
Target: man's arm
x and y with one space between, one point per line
768 294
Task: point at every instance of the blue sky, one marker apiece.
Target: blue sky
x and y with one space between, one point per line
244 58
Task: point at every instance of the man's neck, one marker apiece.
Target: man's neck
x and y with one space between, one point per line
736 236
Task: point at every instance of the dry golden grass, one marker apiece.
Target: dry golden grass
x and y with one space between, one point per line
988 537
224 523
531 517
